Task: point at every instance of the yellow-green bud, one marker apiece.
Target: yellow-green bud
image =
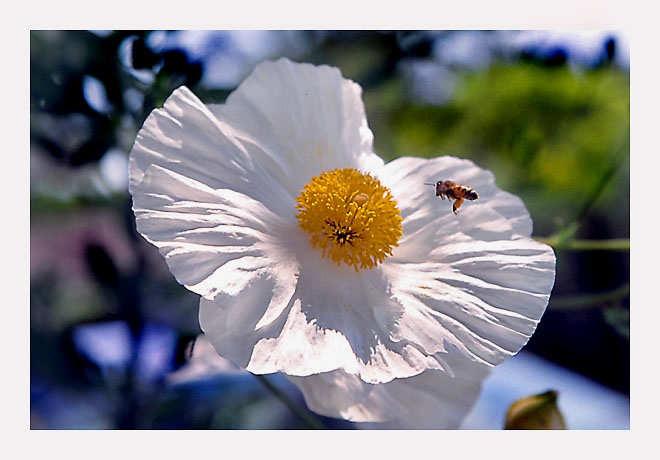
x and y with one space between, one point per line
538 412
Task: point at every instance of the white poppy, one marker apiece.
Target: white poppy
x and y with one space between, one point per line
315 259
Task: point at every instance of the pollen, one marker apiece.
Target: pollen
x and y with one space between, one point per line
350 217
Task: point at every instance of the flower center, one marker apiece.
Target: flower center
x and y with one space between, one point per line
350 216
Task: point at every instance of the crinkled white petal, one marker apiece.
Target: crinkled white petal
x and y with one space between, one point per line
496 215
475 284
430 400
187 145
335 319
300 120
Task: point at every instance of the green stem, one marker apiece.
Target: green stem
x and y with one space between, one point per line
563 239
308 419
620 244
589 300
598 191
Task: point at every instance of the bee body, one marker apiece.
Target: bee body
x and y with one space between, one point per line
453 191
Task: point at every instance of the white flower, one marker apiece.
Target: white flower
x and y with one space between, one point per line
315 259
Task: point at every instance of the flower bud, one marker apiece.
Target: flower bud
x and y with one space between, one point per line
538 412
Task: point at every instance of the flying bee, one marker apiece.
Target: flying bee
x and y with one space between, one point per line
454 191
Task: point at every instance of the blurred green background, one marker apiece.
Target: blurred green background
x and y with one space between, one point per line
548 113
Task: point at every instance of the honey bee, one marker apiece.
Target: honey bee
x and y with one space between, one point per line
454 191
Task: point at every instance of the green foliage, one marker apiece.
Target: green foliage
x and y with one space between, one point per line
546 131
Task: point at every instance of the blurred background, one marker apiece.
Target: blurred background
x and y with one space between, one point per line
113 337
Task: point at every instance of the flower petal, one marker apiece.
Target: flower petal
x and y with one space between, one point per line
335 319
306 119
405 176
185 140
199 230
485 284
194 197
431 399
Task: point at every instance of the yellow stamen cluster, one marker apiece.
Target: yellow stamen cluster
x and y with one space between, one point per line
350 216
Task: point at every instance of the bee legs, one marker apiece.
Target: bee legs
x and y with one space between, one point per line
457 204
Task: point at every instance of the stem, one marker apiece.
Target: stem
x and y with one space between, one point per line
563 239
598 191
620 244
589 300
308 419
